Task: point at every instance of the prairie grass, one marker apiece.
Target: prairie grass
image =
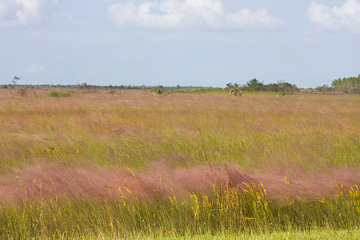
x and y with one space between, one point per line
295 153
136 127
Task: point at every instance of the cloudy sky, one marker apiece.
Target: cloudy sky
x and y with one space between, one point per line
186 42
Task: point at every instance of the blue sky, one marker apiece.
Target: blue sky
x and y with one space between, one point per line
186 42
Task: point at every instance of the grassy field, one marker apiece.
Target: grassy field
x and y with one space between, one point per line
133 164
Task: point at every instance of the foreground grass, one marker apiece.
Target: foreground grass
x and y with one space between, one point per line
231 211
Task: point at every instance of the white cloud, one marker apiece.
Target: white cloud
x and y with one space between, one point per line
34 69
22 12
170 14
346 17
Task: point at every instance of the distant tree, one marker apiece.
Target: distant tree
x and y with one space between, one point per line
272 87
159 90
229 85
324 88
286 87
254 85
15 80
351 84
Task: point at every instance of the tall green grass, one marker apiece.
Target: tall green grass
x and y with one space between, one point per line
227 210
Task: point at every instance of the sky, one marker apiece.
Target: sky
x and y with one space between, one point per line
179 42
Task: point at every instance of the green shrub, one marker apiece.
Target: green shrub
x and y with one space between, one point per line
59 94
160 90
235 91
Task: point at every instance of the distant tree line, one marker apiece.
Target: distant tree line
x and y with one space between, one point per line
347 85
81 86
85 86
255 85
324 88
351 84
